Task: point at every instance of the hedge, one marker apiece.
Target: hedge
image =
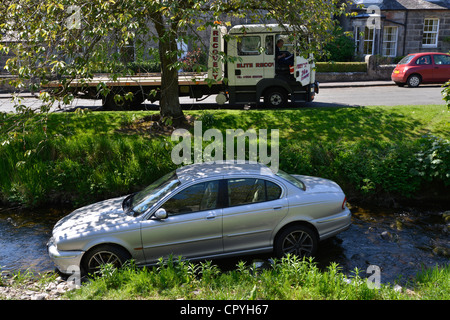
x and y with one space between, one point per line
341 67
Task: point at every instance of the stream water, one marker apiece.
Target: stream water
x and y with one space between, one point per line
399 242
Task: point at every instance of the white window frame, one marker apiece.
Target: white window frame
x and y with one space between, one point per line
357 38
434 33
394 42
367 40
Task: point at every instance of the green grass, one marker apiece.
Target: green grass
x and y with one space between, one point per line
372 152
287 279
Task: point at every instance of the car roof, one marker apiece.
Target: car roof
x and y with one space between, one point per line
221 168
426 53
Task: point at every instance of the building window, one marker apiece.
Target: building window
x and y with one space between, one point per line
390 41
369 40
430 33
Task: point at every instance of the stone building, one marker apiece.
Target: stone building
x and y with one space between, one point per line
398 27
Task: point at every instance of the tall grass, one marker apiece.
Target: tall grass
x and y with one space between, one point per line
289 278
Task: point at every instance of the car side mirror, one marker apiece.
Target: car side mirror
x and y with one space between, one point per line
161 214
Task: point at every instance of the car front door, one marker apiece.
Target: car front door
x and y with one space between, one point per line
255 207
193 227
425 68
442 67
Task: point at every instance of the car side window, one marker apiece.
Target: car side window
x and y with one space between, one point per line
442 59
424 60
250 190
273 191
199 197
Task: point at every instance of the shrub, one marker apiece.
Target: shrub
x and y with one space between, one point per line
341 67
144 66
342 48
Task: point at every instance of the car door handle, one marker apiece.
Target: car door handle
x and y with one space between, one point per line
211 216
278 208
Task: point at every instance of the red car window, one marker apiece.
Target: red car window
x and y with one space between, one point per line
442 59
406 59
424 60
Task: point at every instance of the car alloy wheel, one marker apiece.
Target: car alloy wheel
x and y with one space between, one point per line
414 81
297 240
103 255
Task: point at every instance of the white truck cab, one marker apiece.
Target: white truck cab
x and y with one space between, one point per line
268 64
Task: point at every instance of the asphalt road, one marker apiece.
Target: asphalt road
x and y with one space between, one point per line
329 96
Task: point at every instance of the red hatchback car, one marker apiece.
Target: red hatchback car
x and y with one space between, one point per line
426 67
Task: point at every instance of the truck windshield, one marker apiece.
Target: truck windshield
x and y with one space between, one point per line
288 42
144 200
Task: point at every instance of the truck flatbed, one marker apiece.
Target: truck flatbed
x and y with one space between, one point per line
142 79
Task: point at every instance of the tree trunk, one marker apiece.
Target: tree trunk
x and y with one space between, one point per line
170 102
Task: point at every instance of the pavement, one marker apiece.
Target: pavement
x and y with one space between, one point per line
356 84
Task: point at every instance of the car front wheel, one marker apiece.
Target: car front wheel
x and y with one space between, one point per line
296 240
102 255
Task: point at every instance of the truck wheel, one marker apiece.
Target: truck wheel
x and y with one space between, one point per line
276 97
110 104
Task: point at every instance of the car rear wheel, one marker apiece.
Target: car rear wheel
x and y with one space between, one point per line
414 81
298 240
102 255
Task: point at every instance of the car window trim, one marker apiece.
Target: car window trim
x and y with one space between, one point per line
440 54
282 194
424 64
222 201
184 187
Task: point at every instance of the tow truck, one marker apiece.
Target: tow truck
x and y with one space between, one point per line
256 75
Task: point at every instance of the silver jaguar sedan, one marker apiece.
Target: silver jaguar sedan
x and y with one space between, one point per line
203 211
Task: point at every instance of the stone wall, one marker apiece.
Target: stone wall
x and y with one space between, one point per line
374 72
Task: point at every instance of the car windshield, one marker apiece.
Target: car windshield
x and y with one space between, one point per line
406 59
286 176
145 199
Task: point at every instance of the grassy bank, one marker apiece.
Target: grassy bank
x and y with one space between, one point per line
374 153
289 278
286 279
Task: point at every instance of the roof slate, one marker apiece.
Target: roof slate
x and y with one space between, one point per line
410 4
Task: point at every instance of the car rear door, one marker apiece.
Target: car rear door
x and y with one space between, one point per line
441 67
193 227
255 207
